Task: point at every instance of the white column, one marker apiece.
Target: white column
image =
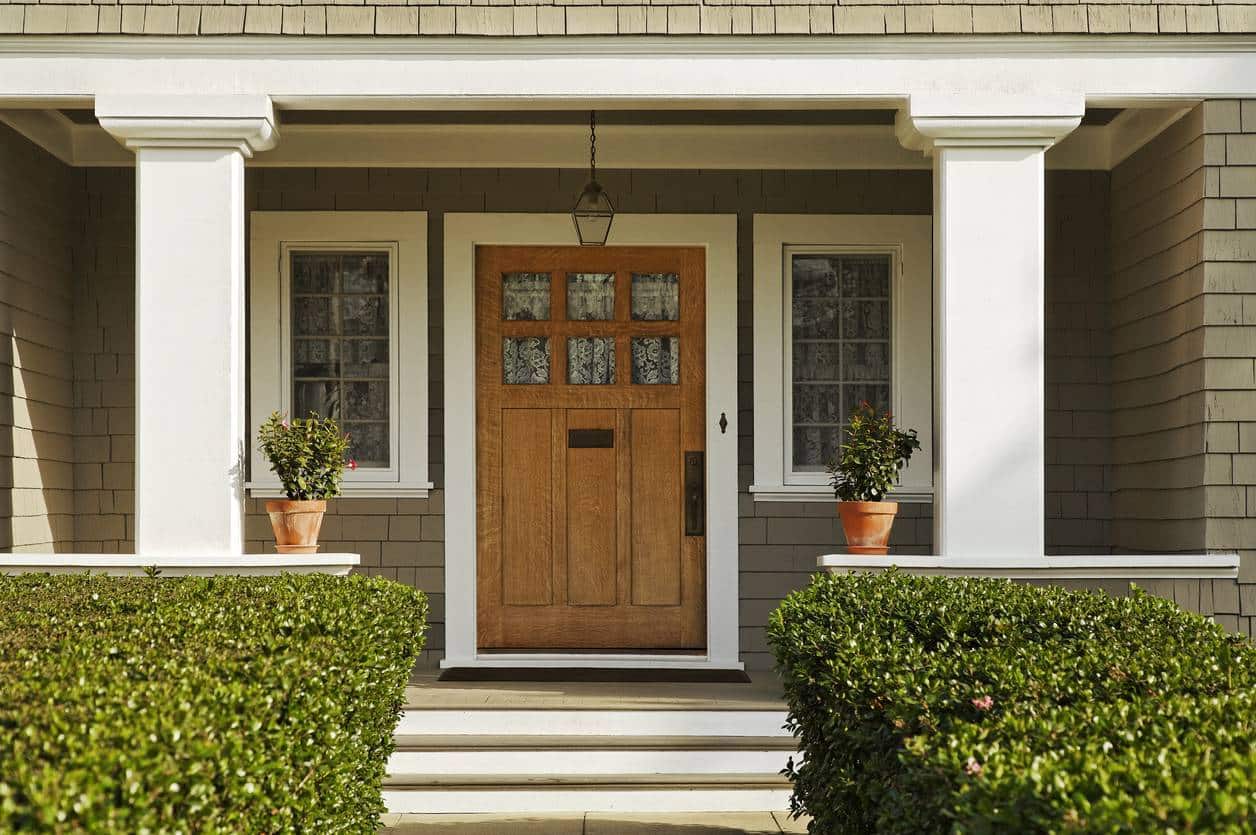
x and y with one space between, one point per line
989 399
189 318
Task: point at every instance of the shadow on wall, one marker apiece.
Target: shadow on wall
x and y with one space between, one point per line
38 473
37 219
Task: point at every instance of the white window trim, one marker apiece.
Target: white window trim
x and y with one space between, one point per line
273 235
718 235
908 239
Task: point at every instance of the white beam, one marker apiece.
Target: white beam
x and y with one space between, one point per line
989 355
189 320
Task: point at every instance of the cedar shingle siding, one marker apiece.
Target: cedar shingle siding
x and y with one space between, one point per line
621 17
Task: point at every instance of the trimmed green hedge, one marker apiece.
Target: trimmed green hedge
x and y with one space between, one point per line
936 705
225 704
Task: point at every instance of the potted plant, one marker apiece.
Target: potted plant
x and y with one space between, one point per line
308 455
867 467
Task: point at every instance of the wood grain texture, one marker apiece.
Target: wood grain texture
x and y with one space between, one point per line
527 576
592 511
621 575
656 507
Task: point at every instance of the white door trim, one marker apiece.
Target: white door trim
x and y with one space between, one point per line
718 235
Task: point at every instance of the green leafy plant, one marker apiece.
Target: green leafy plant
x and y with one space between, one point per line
973 705
872 456
201 704
308 454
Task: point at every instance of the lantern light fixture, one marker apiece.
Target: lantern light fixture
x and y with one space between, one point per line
593 212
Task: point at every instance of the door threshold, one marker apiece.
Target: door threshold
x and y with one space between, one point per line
625 675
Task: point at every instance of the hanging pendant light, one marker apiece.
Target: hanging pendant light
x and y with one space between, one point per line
593 212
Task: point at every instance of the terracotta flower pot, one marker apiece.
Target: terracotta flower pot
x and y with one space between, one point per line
867 525
296 524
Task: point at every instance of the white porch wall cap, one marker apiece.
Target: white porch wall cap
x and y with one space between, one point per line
179 566
1103 566
244 122
928 122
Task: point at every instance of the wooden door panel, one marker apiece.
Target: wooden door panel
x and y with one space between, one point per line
581 542
656 507
592 510
527 508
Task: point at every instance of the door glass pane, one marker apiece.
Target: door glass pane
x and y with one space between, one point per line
656 360
526 296
526 360
655 297
840 344
590 296
340 338
591 360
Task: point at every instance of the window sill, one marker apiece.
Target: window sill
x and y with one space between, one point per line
1123 567
382 490
817 493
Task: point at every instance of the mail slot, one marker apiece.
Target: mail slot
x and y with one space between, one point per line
590 438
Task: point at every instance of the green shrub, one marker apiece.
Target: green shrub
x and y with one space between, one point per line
225 704
929 705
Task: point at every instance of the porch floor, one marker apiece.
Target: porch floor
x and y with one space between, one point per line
425 692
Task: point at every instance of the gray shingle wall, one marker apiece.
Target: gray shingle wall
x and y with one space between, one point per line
526 18
1229 332
1079 365
37 448
1158 361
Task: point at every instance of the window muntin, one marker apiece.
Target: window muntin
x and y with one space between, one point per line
340 346
838 347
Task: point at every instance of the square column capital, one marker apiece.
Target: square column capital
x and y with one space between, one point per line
931 121
245 123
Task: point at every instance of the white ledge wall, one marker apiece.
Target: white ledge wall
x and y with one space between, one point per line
1100 566
122 565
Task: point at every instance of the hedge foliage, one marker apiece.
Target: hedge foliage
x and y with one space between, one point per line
200 705
941 705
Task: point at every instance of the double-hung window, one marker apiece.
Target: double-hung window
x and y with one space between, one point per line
339 329
842 317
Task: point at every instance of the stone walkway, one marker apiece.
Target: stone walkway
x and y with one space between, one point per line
596 823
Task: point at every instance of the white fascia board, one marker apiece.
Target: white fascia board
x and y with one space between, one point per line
609 72
1122 567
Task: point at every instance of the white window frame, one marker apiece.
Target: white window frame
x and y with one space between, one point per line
273 237
907 239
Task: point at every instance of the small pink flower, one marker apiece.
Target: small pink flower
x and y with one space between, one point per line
353 464
284 423
972 768
983 703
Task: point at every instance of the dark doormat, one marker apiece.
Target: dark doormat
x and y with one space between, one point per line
603 674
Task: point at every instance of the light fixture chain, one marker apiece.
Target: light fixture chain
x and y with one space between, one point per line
592 145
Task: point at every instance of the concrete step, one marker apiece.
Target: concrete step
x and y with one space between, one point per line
579 764
557 759
533 798
585 723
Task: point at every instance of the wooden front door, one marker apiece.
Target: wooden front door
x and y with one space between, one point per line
590 398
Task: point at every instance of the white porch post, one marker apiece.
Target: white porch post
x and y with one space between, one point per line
988 314
189 318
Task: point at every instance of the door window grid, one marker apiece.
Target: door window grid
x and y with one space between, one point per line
340 346
590 297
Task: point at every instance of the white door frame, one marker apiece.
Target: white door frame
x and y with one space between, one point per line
717 234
